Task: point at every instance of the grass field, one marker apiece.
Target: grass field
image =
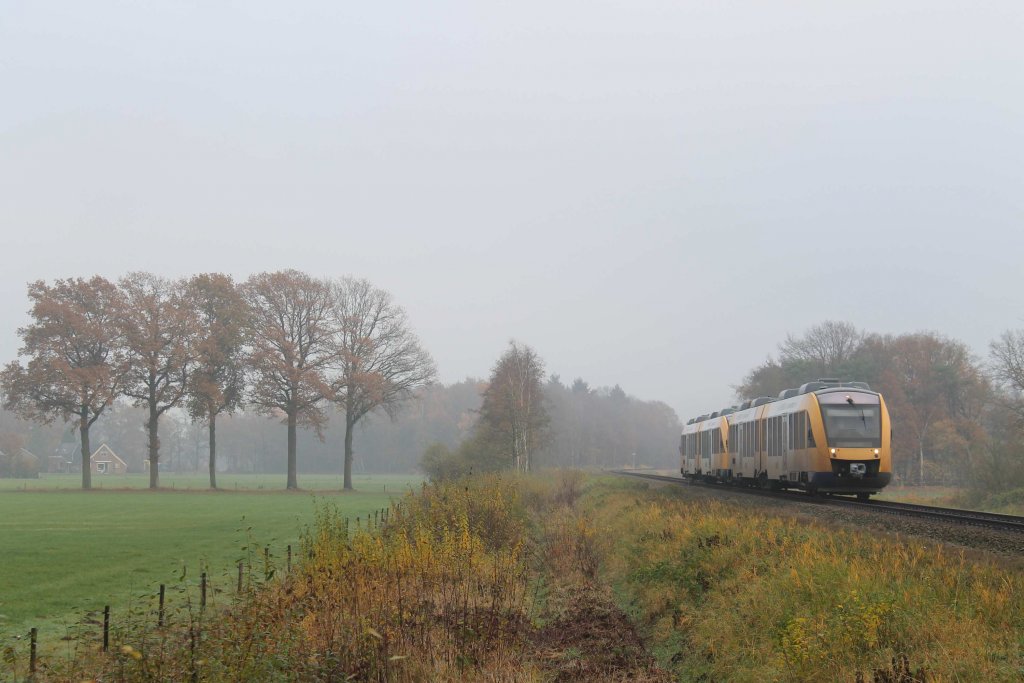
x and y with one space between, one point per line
67 552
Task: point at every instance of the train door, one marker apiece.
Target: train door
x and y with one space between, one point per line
760 459
784 442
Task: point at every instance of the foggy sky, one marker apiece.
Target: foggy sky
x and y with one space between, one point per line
648 193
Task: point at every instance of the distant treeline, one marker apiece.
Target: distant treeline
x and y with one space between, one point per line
590 427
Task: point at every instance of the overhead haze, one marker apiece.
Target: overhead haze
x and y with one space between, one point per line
648 193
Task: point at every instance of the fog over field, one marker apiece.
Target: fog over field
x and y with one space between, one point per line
648 193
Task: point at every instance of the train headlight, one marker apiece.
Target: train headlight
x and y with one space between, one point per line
876 452
832 451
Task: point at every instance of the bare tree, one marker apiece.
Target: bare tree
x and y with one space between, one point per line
218 380
824 347
75 357
158 329
380 362
291 333
513 411
1007 360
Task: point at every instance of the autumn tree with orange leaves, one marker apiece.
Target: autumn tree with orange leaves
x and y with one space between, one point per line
157 329
217 382
292 350
75 357
380 363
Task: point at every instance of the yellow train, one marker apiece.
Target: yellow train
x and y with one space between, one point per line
825 437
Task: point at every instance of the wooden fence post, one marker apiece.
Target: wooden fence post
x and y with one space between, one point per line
106 628
192 652
239 576
160 613
33 637
202 591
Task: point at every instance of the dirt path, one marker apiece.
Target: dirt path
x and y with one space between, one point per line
593 640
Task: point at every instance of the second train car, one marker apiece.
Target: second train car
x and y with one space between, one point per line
825 437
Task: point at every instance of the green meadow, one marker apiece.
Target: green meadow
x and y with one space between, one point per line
65 553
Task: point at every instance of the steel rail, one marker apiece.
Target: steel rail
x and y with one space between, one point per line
989 520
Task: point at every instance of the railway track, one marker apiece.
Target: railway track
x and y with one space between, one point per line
988 520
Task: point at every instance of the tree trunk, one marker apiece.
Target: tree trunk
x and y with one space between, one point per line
213 450
83 428
920 456
293 479
154 447
349 428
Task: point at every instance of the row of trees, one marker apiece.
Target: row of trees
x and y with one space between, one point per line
527 419
954 416
286 344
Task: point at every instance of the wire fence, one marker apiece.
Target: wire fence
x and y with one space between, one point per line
21 654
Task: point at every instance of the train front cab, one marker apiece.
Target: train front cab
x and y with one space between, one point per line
833 440
855 451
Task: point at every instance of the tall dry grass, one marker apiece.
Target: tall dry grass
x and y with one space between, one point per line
435 589
728 592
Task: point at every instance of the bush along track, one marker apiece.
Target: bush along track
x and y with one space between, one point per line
561 579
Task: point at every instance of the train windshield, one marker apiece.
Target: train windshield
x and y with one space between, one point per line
853 426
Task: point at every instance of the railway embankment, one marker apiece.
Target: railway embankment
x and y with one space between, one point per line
729 586
873 519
